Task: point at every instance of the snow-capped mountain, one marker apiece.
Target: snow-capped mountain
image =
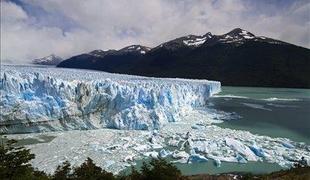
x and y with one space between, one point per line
237 58
99 53
239 36
235 37
135 49
48 60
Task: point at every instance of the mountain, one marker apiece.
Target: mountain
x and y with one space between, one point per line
237 58
109 60
48 60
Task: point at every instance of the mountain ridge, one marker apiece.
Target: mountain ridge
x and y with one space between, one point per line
237 58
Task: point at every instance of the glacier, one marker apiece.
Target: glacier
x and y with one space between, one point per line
54 104
40 99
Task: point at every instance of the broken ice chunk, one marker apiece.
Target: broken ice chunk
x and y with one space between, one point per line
240 158
152 154
288 145
241 148
257 150
217 162
163 153
180 154
197 158
140 147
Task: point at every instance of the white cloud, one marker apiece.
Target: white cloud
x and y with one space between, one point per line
103 24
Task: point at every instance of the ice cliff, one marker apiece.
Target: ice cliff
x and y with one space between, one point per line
36 99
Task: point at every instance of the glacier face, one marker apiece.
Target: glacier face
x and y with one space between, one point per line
36 99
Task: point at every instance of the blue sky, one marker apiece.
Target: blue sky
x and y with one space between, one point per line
68 27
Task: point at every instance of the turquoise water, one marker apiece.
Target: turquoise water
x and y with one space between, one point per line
275 112
261 113
226 167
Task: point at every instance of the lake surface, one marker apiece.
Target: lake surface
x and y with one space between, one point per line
276 112
226 167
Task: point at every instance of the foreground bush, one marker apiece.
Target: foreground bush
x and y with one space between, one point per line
14 162
88 170
157 169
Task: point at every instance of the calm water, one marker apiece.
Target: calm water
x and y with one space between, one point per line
276 112
226 167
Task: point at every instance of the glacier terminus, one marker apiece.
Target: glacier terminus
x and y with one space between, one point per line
60 99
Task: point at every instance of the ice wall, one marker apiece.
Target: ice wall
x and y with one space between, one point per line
50 99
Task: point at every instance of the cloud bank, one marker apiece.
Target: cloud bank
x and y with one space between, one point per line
35 28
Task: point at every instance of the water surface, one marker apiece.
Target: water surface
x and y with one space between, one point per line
276 112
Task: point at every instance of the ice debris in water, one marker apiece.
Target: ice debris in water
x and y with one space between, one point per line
121 148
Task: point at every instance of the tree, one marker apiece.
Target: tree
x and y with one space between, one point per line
63 171
161 169
89 171
157 169
14 162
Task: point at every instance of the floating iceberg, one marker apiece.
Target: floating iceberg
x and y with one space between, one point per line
257 150
197 158
49 99
163 153
241 148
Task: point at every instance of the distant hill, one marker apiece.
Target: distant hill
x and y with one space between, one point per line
48 60
237 58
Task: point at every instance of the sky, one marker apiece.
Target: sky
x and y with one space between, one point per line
36 28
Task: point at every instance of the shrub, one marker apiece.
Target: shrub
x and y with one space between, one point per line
14 162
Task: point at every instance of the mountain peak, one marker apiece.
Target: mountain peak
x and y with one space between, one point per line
100 53
96 51
52 56
48 60
208 34
135 48
238 32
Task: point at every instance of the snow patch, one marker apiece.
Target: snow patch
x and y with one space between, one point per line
195 42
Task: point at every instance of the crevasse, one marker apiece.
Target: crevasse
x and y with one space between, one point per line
50 99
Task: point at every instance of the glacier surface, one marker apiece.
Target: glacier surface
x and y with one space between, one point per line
39 99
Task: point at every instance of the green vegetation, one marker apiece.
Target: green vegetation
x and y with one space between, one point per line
156 169
14 164
297 173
